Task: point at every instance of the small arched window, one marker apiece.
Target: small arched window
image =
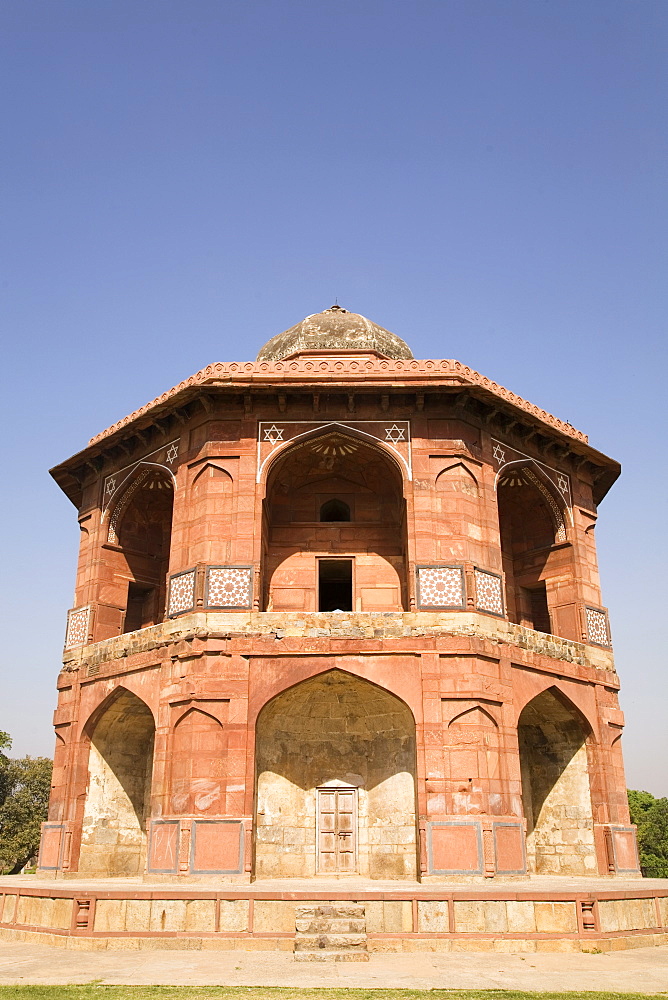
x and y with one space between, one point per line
335 510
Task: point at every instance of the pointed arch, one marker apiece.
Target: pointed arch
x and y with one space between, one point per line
457 470
121 733
125 493
193 709
106 702
568 701
198 759
213 470
558 508
299 440
477 715
335 733
554 739
111 502
327 464
537 560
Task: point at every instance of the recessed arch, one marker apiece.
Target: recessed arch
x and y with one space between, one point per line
197 754
118 498
264 469
538 563
106 702
475 716
335 510
335 731
298 545
457 473
554 740
529 469
199 711
211 470
140 526
120 733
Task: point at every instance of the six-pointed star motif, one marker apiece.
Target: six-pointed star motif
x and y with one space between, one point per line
499 454
171 454
395 434
273 434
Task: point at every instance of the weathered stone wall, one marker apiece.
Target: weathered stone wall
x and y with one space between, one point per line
556 789
331 729
120 767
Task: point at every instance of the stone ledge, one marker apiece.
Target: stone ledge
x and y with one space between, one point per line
376 626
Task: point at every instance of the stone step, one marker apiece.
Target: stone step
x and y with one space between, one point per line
331 925
332 910
331 932
331 956
333 942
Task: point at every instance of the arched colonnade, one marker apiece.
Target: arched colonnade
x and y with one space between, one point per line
341 777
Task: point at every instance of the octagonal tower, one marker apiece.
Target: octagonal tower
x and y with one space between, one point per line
338 611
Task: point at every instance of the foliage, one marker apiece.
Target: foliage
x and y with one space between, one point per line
651 817
5 744
24 797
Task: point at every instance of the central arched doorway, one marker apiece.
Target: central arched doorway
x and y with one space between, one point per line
335 781
334 528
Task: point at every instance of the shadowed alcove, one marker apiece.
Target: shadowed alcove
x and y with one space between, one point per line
334 496
143 528
555 787
120 768
335 758
537 559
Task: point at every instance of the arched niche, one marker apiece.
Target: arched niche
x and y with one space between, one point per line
198 760
299 547
335 510
537 565
211 514
335 788
120 767
553 742
140 526
458 479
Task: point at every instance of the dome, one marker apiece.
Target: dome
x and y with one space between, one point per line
335 329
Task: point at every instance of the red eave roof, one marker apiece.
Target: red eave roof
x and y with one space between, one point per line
337 370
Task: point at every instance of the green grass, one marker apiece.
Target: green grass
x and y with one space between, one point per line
97 992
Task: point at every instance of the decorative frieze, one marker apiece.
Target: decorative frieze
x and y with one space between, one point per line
181 593
488 592
78 627
440 587
229 586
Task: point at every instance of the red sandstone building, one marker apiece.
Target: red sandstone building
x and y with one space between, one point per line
338 611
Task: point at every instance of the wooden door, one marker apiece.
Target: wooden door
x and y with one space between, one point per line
337 829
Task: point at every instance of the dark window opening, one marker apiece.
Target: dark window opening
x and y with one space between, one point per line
537 608
142 608
335 510
335 585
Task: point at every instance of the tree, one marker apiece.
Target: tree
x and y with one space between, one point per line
23 808
5 744
651 817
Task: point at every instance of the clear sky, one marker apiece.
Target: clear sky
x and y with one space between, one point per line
183 179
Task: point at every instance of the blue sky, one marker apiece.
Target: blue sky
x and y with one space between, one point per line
179 181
